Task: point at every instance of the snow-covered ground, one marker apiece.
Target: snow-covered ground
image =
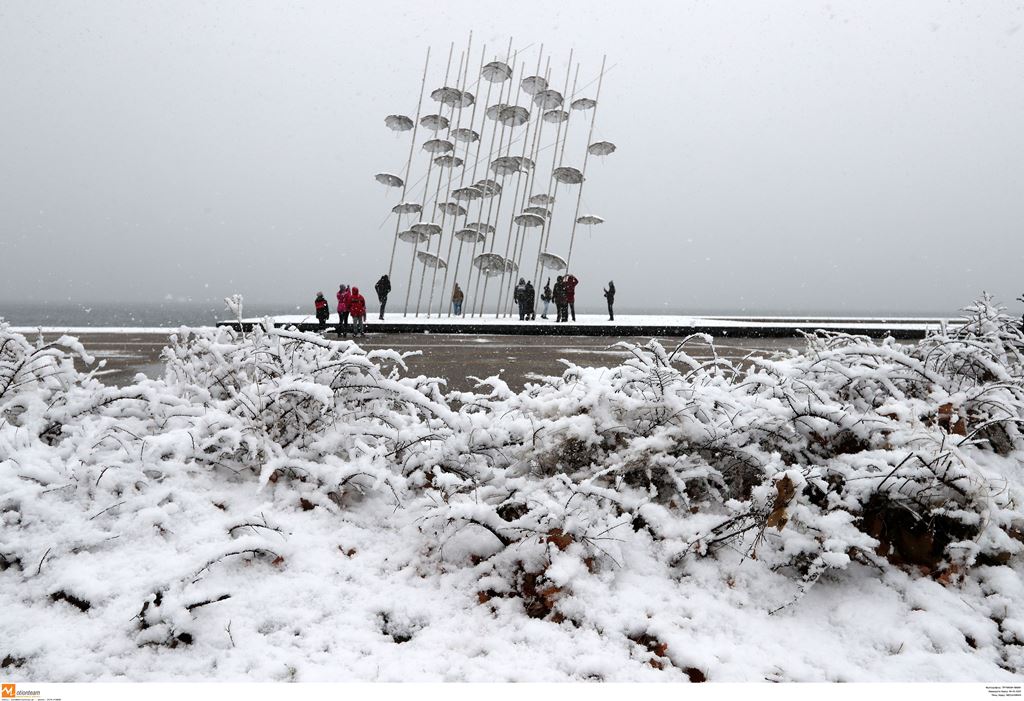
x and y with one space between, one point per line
283 507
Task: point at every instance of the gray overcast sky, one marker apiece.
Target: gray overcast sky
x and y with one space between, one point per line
784 156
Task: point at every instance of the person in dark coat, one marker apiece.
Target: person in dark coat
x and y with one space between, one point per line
530 295
519 295
609 295
383 289
323 310
546 298
458 296
561 300
570 291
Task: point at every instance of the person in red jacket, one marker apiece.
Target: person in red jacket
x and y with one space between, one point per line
570 293
357 308
343 296
323 311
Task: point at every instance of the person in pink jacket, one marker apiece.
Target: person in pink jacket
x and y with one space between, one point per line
344 295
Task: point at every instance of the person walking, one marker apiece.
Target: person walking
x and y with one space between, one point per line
570 293
343 296
561 300
520 297
609 295
383 289
530 295
545 297
457 298
357 308
323 310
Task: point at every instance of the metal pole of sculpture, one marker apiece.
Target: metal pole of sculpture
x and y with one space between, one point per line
426 190
408 163
586 157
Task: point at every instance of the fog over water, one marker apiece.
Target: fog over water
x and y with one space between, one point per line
787 157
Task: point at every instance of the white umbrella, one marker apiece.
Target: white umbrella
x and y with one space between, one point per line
452 208
567 175
467 194
426 228
490 264
494 110
496 72
529 220
601 148
389 179
489 187
470 236
411 236
539 211
464 135
438 146
524 162
542 199
505 165
555 116
551 262
514 116
533 85
482 227
548 99
434 122
398 122
430 260
453 97
407 208
589 219
584 103
448 161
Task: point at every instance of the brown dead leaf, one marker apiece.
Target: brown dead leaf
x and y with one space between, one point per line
560 539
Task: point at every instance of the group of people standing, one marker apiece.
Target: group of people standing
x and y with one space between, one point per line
352 305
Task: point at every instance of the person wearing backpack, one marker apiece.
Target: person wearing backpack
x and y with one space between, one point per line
561 300
357 308
323 311
519 295
344 294
457 298
530 297
383 289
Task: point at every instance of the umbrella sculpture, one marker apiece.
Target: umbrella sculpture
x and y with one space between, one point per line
550 261
568 176
548 99
438 146
411 236
452 208
533 85
398 122
490 264
427 228
464 135
448 161
555 116
470 236
389 179
407 208
518 97
434 122
601 148
496 72
529 220
430 260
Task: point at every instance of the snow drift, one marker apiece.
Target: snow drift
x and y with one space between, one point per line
280 506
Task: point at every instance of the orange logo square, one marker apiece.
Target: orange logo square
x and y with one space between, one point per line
8 691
